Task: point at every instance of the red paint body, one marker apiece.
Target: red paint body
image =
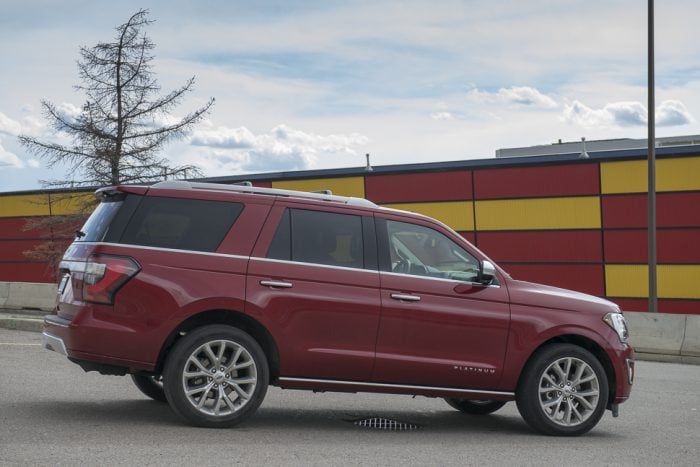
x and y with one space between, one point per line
337 328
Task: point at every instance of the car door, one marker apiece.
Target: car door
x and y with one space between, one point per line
315 286
439 326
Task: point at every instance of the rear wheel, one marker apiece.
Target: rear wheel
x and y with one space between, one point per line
150 385
563 391
216 376
474 406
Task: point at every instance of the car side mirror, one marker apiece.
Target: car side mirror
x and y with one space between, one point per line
487 273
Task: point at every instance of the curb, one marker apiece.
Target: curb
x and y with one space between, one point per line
21 322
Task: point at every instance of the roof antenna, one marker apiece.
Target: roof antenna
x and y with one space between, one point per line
368 167
584 154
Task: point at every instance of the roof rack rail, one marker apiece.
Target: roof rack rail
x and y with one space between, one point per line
186 185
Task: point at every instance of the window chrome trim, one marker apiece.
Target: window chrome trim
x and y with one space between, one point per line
285 261
396 386
174 250
441 279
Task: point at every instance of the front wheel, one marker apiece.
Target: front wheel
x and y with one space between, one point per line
475 407
563 391
216 376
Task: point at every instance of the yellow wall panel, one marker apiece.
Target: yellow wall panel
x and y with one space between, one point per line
72 203
346 186
539 214
677 174
626 280
24 205
457 214
673 281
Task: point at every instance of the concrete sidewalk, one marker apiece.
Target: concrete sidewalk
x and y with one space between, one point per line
654 338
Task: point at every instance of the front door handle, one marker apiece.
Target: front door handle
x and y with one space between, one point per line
405 297
276 284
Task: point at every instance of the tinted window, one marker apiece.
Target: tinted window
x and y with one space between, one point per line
319 237
98 223
422 251
186 224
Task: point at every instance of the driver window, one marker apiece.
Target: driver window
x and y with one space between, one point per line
422 251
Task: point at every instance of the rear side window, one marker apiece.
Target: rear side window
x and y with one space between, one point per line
99 221
183 224
319 237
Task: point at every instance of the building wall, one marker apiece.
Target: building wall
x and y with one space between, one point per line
577 224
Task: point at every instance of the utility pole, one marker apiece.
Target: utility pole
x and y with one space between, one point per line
651 165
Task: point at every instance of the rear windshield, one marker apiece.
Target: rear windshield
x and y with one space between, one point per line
98 223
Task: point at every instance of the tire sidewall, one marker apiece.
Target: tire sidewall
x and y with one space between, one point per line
175 365
527 397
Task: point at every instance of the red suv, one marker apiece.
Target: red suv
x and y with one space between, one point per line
206 294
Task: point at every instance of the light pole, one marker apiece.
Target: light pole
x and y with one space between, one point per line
651 164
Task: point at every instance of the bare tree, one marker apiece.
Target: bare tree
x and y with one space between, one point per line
124 122
118 134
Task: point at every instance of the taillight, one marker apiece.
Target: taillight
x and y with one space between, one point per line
105 275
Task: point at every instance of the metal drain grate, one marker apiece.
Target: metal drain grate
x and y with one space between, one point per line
379 423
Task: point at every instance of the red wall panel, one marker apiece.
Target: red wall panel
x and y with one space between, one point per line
683 307
680 246
13 227
587 278
469 236
525 182
429 186
25 272
262 184
673 210
575 246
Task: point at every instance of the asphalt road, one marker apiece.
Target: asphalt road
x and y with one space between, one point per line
52 413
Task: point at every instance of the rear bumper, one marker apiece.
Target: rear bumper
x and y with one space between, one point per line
70 340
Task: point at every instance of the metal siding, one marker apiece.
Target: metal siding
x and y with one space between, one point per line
587 278
539 214
673 210
25 272
431 186
673 246
683 307
674 281
678 174
577 246
526 182
24 205
344 186
457 214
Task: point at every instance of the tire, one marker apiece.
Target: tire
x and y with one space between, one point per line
577 395
475 407
150 385
216 376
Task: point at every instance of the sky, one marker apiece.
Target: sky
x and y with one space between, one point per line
317 84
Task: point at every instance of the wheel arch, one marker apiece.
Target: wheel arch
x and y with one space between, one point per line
228 317
583 342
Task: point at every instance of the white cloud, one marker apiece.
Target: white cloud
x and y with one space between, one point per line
33 163
526 95
442 116
673 113
626 114
514 95
8 159
9 126
283 148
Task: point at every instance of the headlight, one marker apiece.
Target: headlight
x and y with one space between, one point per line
617 322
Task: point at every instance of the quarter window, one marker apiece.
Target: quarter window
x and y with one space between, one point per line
184 224
319 237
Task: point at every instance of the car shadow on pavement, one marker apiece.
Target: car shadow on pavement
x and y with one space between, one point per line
152 413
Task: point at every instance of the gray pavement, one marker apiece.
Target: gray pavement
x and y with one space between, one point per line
52 413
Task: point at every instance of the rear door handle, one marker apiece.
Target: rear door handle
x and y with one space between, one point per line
405 297
276 284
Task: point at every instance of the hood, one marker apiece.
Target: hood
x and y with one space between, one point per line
545 296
